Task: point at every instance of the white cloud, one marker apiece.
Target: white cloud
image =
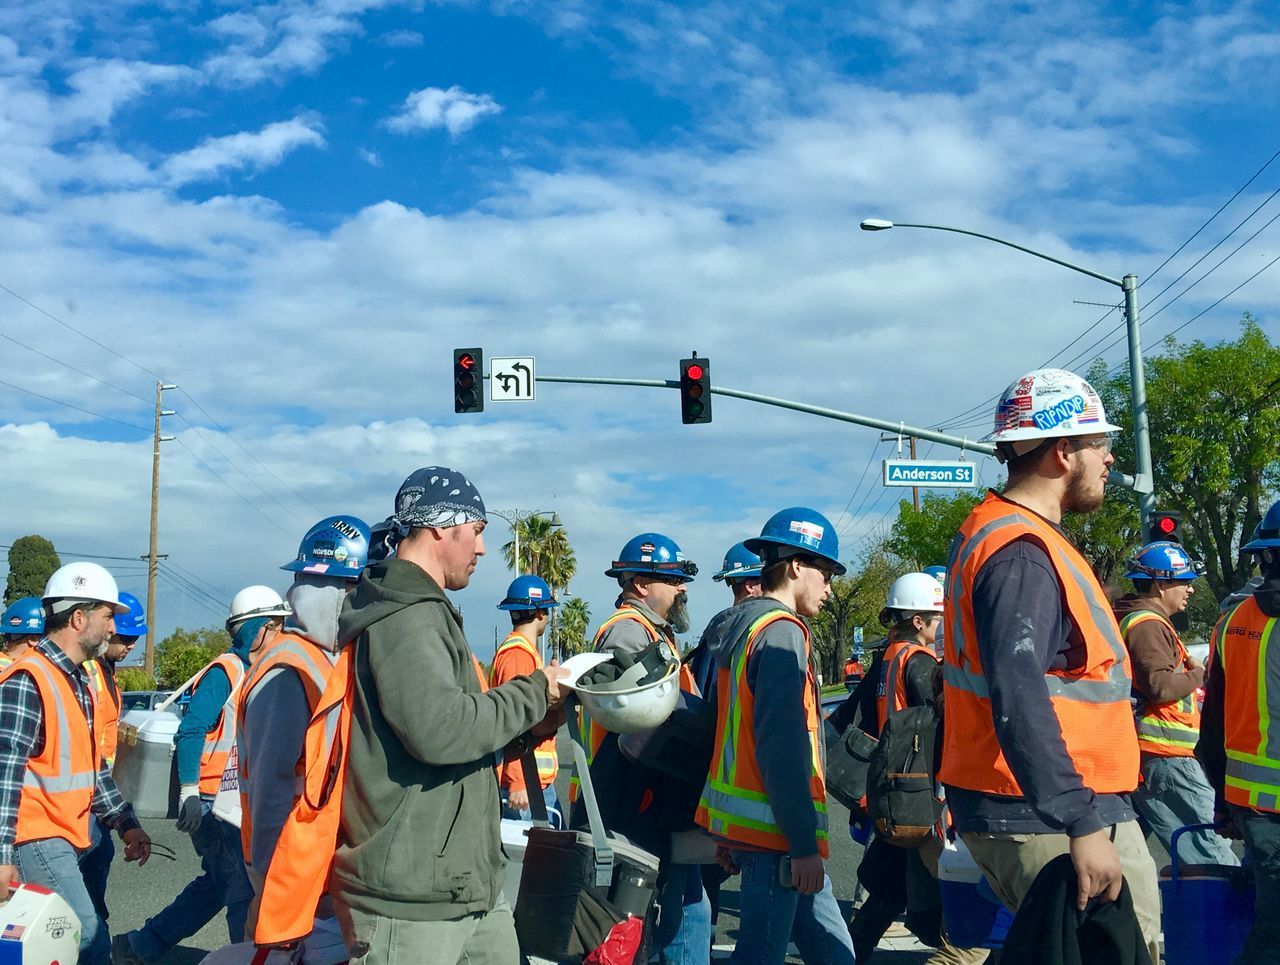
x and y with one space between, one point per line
454 109
401 38
369 157
252 150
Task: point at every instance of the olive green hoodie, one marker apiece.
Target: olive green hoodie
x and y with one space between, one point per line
420 835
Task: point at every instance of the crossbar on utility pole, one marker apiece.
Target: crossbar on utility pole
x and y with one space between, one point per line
149 658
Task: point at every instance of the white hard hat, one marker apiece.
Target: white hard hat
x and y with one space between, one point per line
1048 404
623 706
257 601
915 593
82 583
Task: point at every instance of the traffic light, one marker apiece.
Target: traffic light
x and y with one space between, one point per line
1166 526
468 377
695 390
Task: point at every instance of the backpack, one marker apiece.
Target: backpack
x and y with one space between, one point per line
849 749
900 778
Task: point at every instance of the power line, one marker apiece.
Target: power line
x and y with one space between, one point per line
857 486
218 591
68 365
213 472
192 586
232 462
201 601
68 405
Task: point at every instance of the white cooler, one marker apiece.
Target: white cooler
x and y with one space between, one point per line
513 842
144 761
973 919
38 928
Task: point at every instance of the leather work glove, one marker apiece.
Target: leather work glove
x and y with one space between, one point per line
190 810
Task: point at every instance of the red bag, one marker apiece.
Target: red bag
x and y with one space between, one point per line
621 945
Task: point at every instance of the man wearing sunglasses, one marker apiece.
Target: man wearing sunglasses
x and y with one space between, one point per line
1040 755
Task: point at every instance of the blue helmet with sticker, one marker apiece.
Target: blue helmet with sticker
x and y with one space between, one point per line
529 593
739 564
23 617
133 623
798 530
1162 560
939 573
337 546
1267 535
653 554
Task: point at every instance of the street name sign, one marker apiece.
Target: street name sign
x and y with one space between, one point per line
938 474
511 379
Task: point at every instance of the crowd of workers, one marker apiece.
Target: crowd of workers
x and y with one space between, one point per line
368 741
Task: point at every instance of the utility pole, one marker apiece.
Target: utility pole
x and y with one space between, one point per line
149 660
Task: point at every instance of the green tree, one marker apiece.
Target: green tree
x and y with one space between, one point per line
856 600
923 537
182 653
32 560
572 619
135 678
545 551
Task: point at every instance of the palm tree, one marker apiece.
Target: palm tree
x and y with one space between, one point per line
544 551
571 630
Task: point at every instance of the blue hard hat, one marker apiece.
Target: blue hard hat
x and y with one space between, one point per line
337 546
529 593
652 553
799 530
133 623
1162 560
939 573
23 617
739 564
1267 535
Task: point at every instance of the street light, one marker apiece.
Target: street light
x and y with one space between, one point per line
1144 478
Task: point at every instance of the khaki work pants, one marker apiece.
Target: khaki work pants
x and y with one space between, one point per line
481 939
1012 861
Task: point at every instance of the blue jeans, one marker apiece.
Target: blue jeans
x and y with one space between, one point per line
223 884
95 865
683 935
1261 833
54 863
772 915
1174 793
524 814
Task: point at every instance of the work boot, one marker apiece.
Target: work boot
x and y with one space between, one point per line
122 952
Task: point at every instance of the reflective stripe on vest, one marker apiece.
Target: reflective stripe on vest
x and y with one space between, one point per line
544 752
106 708
1170 729
219 740
58 785
891 694
734 805
1092 704
1249 649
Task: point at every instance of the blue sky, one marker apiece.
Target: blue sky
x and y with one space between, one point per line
295 210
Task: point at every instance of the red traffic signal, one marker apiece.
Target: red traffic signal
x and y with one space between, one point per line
695 390
468 379
1166 526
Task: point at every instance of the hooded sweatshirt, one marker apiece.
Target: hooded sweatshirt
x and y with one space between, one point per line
420 836
777 673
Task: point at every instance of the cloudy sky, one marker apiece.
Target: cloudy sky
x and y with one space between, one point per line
295 211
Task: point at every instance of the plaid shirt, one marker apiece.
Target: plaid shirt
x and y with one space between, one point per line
22 737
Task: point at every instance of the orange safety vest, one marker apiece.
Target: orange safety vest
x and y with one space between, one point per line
313 666
303 859
734 804
511 775
58 786
106 707
221 738
852 668
1246 642
1171 729
1091 704
891 688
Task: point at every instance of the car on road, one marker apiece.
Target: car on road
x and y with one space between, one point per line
146 700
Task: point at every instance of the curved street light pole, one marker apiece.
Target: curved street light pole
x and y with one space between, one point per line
1144 478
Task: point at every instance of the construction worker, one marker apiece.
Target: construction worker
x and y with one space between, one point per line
1167 683
652 573
202 749
280 694
406 734
95 864
53 779
853 670
22 626
1039 754
1241 705
765 796
529 600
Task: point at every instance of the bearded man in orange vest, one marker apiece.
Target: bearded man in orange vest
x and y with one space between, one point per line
54 779
1040 757
1240 754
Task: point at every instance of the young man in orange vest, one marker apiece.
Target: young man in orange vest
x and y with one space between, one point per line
1040 757
284 684
1240 754
1167 683
202 748
765 796
53 777
529 600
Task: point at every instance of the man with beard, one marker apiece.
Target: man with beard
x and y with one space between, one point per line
53 779
1040 756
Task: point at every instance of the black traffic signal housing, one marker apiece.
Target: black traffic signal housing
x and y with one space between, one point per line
695 390
1165 526
468 380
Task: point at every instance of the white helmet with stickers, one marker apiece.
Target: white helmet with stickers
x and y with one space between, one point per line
1046 404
